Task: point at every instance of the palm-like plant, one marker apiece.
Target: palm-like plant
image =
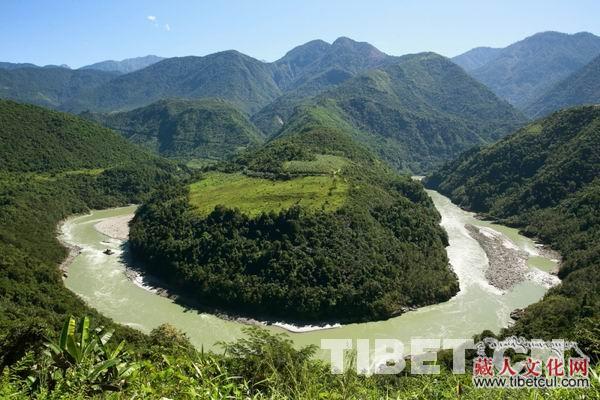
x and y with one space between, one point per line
84 356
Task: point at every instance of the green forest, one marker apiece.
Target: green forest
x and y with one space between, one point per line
544 180
371 254
281 191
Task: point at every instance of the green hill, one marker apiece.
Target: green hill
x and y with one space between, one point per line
523 71
414 114
205 129
579 88
49 86
544 179
53 165
244 81
310 227
34 139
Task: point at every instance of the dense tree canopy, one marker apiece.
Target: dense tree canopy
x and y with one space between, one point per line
543 179
379 253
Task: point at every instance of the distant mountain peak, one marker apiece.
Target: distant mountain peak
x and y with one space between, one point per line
524 70
125 66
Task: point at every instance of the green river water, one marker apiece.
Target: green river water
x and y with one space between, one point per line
101 281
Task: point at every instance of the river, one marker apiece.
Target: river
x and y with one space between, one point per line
101 281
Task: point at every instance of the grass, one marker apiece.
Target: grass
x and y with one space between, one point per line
53 176
253 196
324 164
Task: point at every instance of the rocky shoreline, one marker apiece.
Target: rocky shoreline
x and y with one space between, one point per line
507 262
72 250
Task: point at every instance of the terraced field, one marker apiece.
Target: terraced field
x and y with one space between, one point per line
253 196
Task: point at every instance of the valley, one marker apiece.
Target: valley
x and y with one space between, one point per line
196 224
104 283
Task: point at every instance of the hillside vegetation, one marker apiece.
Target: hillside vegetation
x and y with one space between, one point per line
49 86
33 139
265 240
543 179
185 129
414 114
55 165
242 80
580 88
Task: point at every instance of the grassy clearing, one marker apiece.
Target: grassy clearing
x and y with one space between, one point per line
52 176
324 164
253 196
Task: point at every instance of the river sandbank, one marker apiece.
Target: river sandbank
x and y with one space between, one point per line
507 262
115 227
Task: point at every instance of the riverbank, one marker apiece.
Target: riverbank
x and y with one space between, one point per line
118 228
72 250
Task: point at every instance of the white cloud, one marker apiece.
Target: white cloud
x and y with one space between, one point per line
167 27
151 18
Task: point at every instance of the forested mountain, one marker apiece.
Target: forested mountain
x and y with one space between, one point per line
544 179
309 227
206 129
49 86
414 113
477 57
523 71
312 68
229 75
318 63
124 66
34 139
581 87
53 165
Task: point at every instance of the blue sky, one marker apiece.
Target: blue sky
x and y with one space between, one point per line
81 32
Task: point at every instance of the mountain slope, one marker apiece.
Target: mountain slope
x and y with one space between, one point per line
124 66
310 227
49 86
312 60
476 57
414 114
581 87
53 165
211 129
524 70
33 139
312 68
544 179
229 75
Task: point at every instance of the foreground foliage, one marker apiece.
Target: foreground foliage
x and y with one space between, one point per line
260 366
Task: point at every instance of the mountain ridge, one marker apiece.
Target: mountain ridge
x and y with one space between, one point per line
524 70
